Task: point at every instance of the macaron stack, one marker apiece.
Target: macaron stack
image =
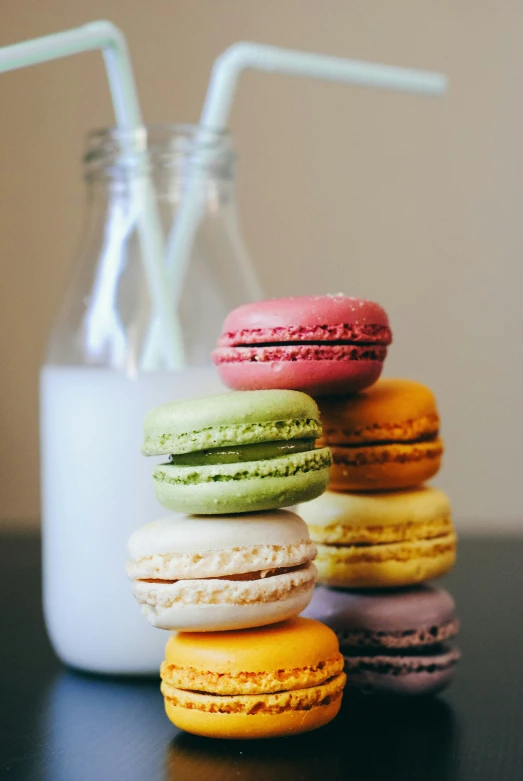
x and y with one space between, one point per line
380 528
230 571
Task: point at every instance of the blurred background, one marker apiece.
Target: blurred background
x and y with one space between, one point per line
414 202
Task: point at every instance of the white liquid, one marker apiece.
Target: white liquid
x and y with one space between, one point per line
96 490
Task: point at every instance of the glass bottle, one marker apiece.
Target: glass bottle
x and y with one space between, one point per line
94 391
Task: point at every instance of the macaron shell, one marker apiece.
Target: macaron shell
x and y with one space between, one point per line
387 565
385 467
240 726
179 533
182 546
218 618
305 311
301 642
188 425
248 487
392 410
375 517
400 617
318 377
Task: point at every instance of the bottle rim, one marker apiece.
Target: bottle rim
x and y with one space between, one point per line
113 152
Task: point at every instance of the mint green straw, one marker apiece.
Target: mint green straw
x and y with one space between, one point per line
106 37
225 75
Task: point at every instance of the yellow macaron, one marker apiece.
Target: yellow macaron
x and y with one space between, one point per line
381 540
273 681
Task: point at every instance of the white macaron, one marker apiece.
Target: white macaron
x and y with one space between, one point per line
204 574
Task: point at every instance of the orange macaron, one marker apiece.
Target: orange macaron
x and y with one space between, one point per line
384 438
272 681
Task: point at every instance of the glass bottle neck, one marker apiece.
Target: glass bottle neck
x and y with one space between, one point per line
168 155
109 307
168 186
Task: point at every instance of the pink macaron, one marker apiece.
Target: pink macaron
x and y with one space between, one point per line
317 344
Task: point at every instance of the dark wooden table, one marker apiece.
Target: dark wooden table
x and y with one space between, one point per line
59 725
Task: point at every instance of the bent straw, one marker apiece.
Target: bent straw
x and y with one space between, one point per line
225 75
111 41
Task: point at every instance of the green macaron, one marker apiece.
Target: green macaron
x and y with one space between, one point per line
237 452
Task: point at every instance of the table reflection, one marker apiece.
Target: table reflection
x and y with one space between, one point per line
369 739
107 728
97 728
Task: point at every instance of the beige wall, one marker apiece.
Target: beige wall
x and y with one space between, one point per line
415 202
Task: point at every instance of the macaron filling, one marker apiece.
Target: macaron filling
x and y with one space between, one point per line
251 682
374 535
239 453
384 552
234 434
342 333
398 662
344 341
426 447
263 588
252 704
256 575
315 351
429 436
288 465
354 641
348 433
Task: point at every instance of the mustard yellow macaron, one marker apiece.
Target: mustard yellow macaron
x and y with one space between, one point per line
268 682
383 539
383 439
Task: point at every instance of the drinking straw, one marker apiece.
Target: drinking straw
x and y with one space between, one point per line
225 75
106 37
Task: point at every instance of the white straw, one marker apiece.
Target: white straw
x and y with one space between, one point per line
225 74
111 41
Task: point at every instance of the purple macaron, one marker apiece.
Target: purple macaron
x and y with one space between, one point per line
394 642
